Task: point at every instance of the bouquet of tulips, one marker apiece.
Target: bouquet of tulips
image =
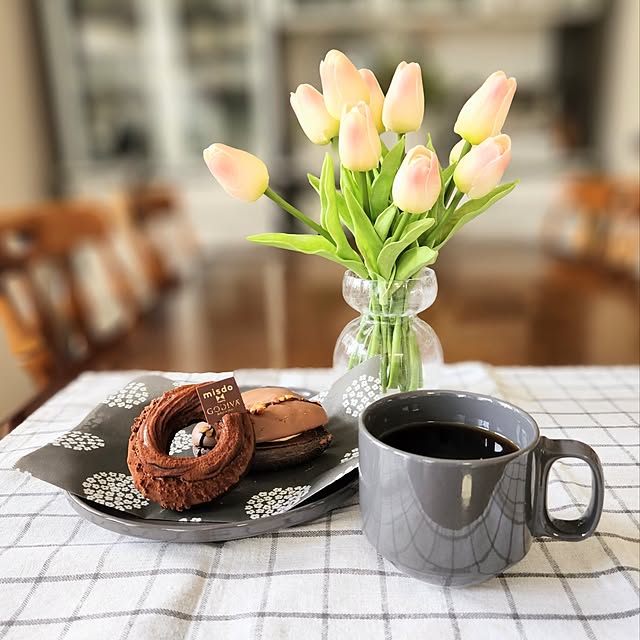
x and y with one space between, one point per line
394 208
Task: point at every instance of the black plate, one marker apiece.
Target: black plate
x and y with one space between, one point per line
318 505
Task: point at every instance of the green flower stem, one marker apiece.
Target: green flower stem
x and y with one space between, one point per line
382 322
289 208
396 358
364 186
400 374
374 343
399 230
455 202
416 380
433 232
414 366
451 186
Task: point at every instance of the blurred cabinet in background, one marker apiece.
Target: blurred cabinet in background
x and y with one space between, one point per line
147 81
140 87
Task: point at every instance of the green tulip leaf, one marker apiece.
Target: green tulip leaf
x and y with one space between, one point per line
445 178
311 245
429 144
327 194
414 260
393 248
330 214
470 210
439 208
400 223
381 188
343 211
367 240
314 181
348 182
384 221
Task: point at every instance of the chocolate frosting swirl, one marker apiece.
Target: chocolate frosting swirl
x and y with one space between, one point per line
179 483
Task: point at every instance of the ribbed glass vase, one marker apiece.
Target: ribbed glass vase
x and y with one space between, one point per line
388 326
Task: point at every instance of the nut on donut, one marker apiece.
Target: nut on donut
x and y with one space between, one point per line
289 428
180 483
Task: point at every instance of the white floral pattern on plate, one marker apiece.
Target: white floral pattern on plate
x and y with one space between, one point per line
349 455
360 394
78 441
278 500
181 442
134 394
95 420
320 397
115 490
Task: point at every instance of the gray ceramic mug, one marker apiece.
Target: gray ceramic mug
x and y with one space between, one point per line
459 522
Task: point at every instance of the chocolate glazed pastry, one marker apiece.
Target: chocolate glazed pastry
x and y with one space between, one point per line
179 483
289 428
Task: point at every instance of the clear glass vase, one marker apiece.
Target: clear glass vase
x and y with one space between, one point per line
388 326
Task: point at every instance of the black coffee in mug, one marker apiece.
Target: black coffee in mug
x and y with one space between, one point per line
449 440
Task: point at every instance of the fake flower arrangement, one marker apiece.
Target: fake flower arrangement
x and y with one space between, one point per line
394 208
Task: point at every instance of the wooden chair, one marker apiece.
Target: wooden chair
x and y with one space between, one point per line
574 223
596 220
622 250
45 307
147 210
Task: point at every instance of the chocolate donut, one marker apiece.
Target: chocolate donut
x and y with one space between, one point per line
180 483
289 428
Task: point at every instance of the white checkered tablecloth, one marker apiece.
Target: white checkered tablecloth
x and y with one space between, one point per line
63 577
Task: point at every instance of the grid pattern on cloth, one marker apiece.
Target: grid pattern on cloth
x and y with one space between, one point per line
63 577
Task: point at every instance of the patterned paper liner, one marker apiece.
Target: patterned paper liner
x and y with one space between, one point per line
90 460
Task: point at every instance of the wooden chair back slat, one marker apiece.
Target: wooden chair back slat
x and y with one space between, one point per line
49 237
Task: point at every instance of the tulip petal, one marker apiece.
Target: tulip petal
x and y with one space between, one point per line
376 97
403 107
482 168
317 123
484 113
242 175
417 183
342 85
359 143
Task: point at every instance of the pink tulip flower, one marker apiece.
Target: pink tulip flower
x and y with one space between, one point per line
376 97
484 113
241 174
342 85
359 142
403 108
481 169
417 184
317 123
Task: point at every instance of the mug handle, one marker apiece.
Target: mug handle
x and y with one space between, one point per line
546 453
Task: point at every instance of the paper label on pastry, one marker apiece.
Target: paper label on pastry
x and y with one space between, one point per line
220 397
